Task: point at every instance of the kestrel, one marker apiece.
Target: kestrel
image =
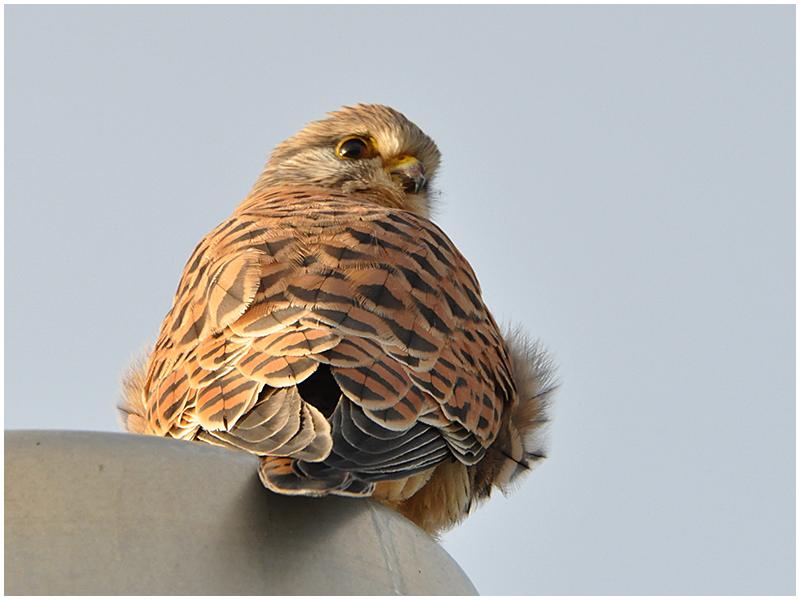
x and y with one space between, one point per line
331 329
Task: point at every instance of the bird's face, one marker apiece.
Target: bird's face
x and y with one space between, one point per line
367 149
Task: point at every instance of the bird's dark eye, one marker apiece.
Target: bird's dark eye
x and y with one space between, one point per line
354 148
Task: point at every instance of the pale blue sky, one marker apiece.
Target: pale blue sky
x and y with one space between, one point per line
622 179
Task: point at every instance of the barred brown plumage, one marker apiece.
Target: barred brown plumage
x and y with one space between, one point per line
333 330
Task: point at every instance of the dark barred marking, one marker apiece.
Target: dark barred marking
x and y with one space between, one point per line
171 410
284 316
371 374
179 317
435 373
447 364
460 383
380 295
410 338
217 353
486 400
223 229
415 281
427 386
433 319
317 296
310 345
409 404
499 392
335 355
484 339
207 379
411 361
345 253
357 390
357 346
328 272
249 234
240 225
156 374
424 264
441 240
272 247
292 369
193 264
473 298
439 254
370 239
250 358
345 320
459 412
402 219
194 330
455 308
470 276
233 297
485 369
269 280
363 237
392 229
170 390
390 414
241 388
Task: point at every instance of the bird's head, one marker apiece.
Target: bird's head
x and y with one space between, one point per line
368 149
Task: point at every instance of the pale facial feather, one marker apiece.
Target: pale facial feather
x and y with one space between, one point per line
309 158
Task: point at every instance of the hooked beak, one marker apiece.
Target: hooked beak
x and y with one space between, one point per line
408 172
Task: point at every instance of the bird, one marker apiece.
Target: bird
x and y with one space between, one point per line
331 329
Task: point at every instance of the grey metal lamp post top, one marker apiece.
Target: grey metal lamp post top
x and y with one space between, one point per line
105 513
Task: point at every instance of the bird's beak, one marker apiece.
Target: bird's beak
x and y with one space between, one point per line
408 172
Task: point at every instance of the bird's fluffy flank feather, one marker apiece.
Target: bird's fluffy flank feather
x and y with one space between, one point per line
132 409
534 376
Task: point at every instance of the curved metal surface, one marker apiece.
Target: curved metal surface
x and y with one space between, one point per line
104 513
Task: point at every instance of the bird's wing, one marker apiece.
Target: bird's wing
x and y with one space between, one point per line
301 282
